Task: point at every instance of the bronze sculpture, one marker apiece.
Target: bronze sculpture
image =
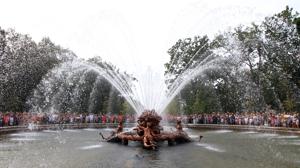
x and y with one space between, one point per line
149 132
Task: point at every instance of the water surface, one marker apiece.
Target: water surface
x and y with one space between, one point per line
82 148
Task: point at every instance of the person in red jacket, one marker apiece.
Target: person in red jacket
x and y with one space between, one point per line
120 118
6 120
103 118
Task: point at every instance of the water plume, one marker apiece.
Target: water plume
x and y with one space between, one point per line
64 87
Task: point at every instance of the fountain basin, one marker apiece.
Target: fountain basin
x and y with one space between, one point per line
82 148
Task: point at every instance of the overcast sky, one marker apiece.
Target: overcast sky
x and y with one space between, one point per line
131 33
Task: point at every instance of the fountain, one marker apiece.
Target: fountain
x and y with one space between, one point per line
147 91
143 91
81 148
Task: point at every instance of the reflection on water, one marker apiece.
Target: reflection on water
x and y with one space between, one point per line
264 135
71 130
90 129
23 139
82 148
194 136
210 147
26 134
90 147
50 131
248 132
287 137
108 129
223 131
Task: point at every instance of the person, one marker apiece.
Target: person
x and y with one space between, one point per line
120 118
299 120
112 118
11 120
103 118
6 119
1 120
120 127
179 126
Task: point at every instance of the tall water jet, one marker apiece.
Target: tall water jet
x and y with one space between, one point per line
67 82
65 87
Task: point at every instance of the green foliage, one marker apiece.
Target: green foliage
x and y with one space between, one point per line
184 54
264 68
297 22
23 66
126 108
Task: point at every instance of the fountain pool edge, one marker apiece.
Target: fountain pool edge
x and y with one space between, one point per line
245 128
9 129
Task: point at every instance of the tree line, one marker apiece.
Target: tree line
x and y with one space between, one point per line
261 70
25 64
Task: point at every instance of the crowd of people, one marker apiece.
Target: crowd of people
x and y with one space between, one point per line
24 118
291 120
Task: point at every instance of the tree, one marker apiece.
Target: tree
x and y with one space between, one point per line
253 66
185 54
23 64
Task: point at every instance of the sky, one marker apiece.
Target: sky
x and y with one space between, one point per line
132 34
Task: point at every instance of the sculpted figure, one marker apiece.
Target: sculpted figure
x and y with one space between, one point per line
149 132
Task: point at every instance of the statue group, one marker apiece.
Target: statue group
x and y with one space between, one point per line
149 132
